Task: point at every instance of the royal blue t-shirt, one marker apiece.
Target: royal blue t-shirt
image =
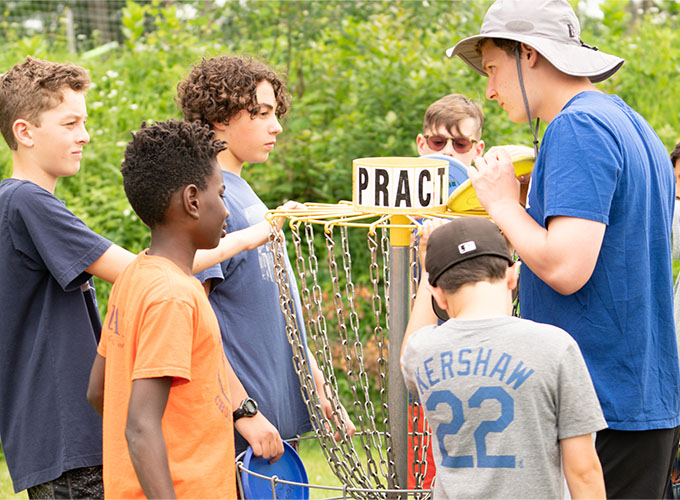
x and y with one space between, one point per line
48 331
245 297
601 161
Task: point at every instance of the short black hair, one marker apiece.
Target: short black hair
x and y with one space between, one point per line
675 154
163 158
483 268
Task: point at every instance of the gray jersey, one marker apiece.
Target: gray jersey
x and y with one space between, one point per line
499 394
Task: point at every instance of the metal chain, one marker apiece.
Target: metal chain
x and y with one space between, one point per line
345 463
359 356
376 444
379 333
366 420
342 457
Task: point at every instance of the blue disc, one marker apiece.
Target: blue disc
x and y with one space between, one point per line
457 171
289 468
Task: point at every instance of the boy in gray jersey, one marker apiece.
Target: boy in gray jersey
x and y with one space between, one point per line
509 400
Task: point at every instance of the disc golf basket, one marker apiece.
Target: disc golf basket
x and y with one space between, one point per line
390 198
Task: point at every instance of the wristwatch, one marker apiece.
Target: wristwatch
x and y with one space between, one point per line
248 408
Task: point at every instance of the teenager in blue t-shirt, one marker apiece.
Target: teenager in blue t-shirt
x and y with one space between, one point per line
241 100
595 235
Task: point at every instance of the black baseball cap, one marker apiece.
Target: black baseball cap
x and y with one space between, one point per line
460 240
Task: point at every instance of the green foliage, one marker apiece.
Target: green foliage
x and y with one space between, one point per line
134 17
653 57
361 73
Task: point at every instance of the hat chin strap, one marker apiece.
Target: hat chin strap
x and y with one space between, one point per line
526 101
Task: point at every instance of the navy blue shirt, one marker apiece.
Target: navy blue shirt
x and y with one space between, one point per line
48 336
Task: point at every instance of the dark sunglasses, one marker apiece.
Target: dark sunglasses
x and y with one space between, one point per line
460 144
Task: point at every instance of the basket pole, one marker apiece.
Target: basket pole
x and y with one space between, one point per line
399 308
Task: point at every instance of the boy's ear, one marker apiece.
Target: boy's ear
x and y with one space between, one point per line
190 200
512 275
219 126
439 296
420 144
22 132
530 54
479 145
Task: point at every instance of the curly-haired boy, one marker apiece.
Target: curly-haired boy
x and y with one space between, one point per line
242 100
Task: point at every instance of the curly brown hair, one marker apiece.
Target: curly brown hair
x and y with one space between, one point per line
32 87
218 88
163 158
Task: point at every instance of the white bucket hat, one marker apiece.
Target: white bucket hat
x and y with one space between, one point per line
549 26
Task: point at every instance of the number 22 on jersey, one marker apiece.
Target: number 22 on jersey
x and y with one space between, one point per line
507 415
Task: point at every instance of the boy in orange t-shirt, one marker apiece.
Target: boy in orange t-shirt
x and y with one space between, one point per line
160 378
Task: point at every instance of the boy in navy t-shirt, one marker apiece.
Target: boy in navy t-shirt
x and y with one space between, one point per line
51 438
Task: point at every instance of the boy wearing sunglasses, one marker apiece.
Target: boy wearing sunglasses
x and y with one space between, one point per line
453 127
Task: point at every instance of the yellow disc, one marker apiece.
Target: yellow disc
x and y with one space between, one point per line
464 198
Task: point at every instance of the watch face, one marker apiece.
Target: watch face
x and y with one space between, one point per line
250 407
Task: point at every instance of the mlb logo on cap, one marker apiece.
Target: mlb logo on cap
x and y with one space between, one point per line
468 246
472 236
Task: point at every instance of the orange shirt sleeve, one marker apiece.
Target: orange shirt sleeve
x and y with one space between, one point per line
164 341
